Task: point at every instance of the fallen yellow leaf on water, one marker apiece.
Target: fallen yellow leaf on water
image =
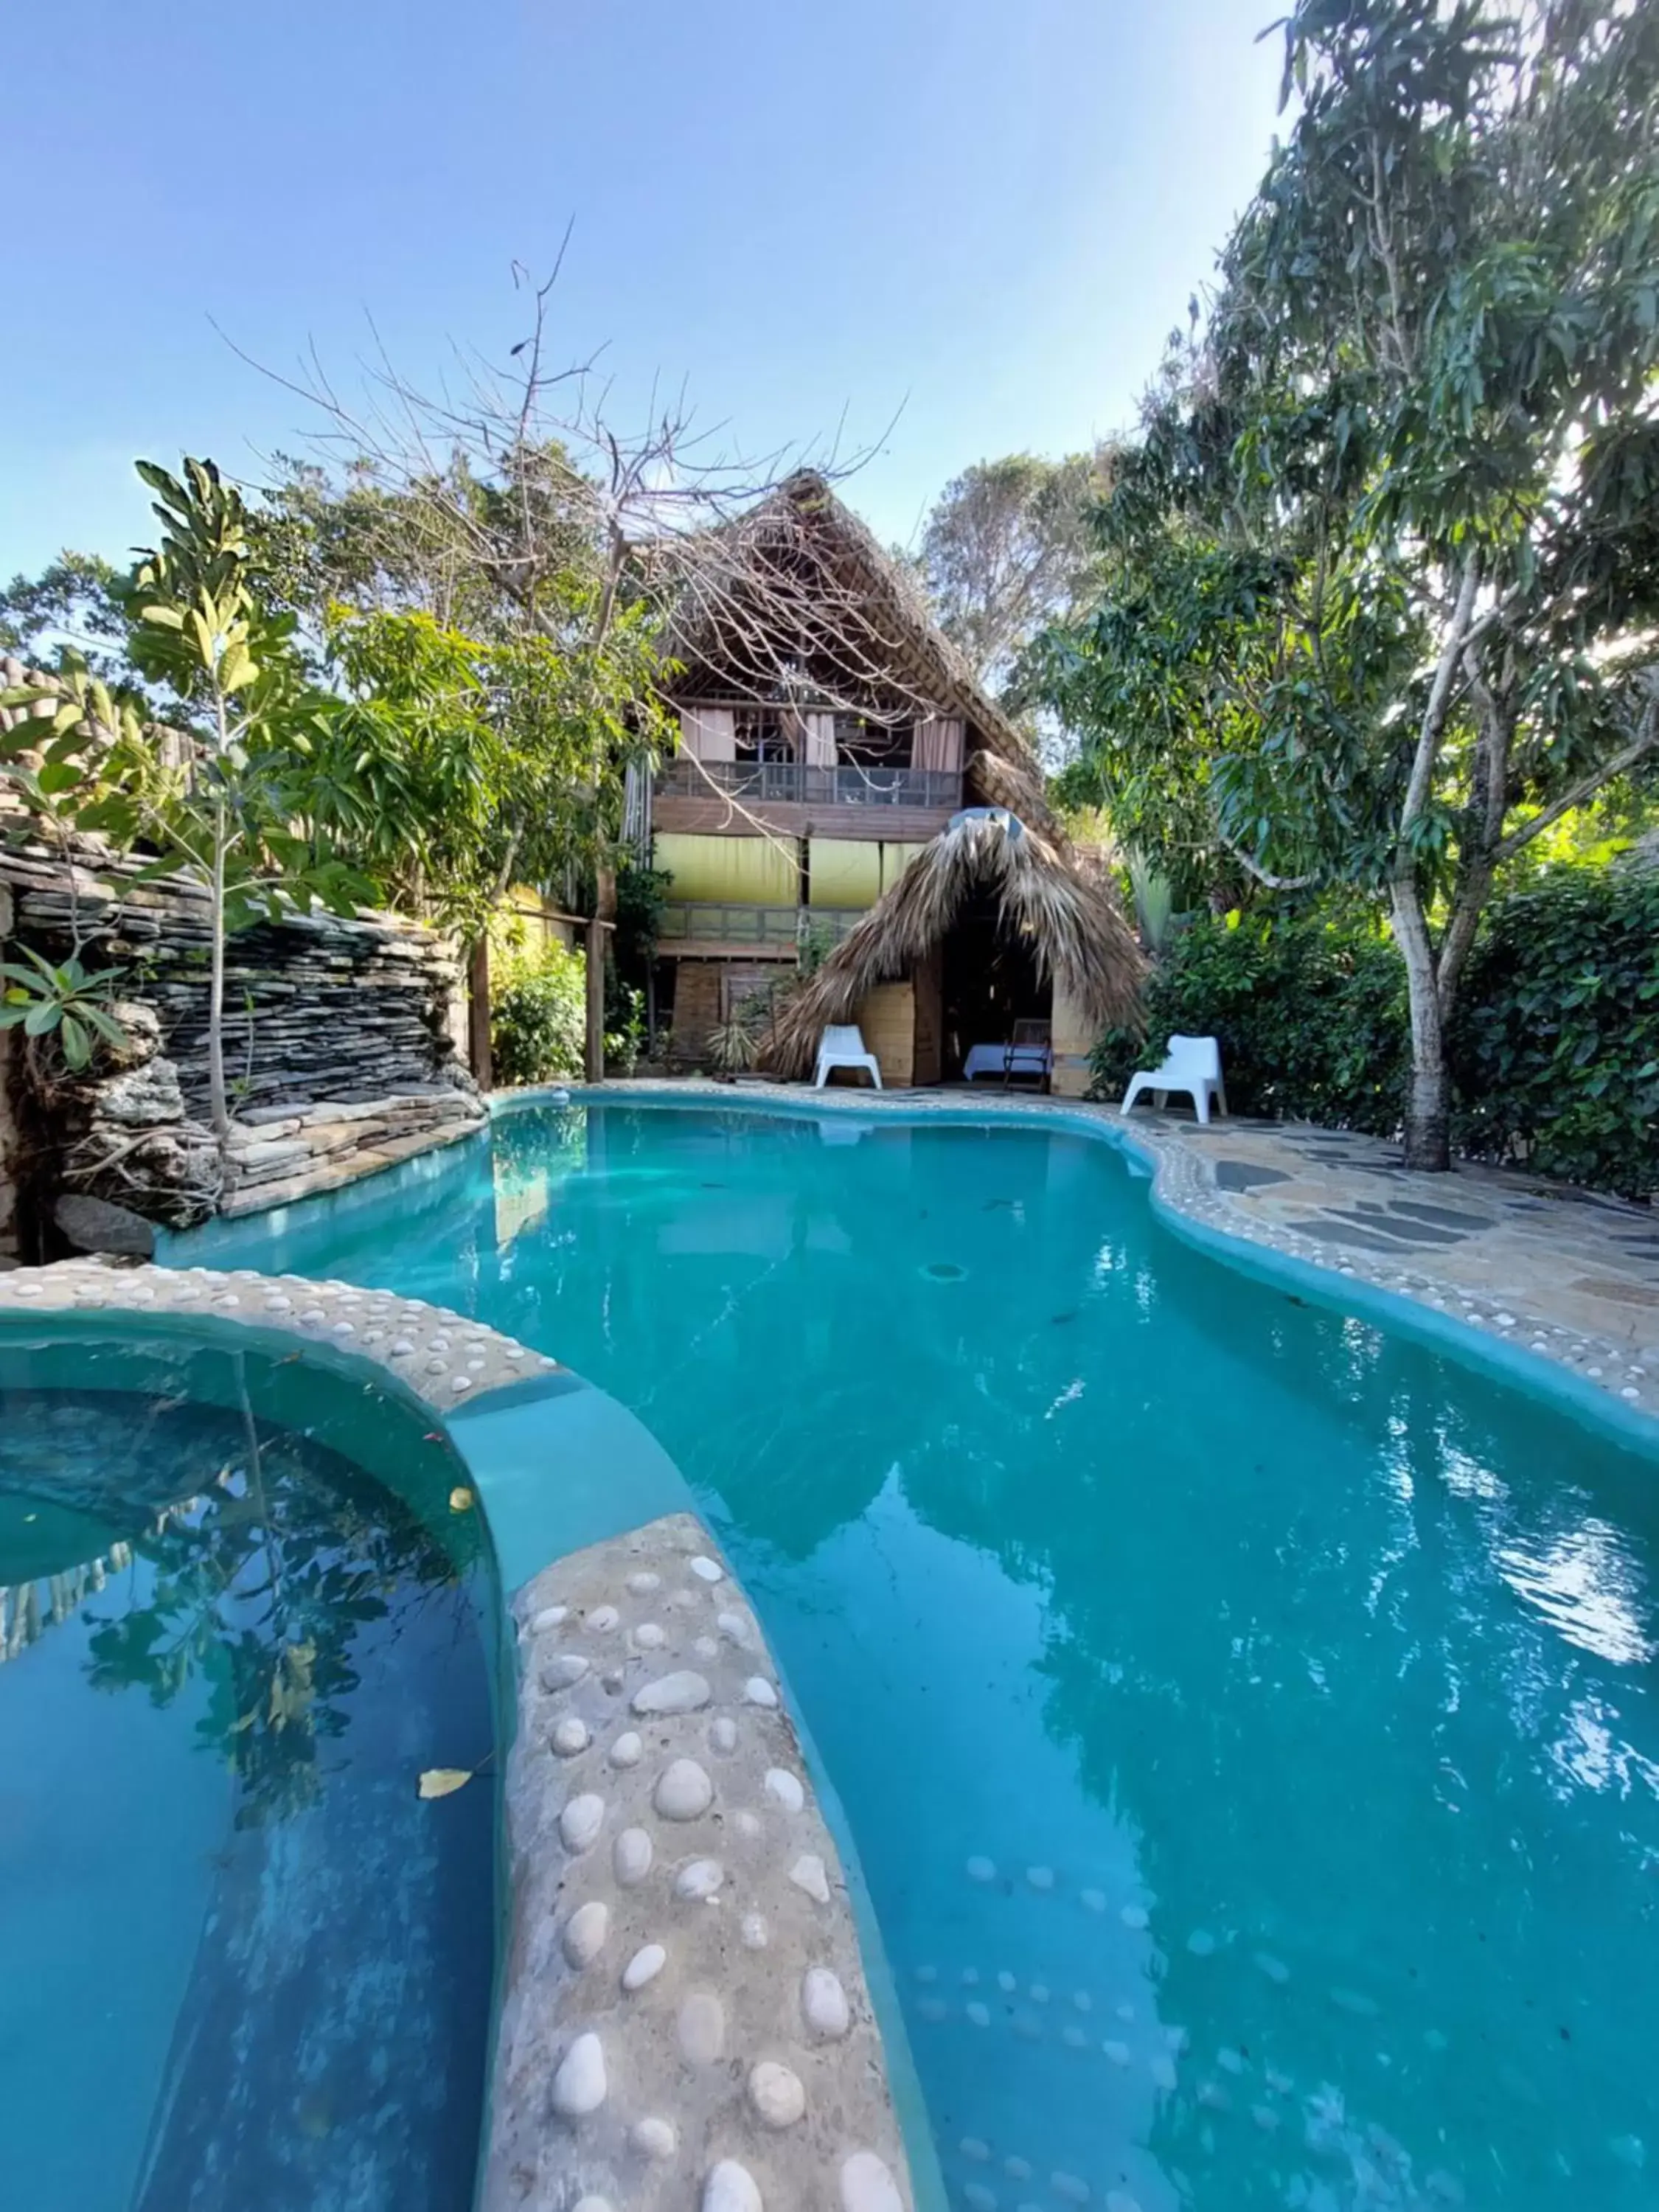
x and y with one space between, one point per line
461 1499
444 1781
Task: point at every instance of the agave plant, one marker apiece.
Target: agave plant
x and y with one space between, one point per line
62 1001
734 1047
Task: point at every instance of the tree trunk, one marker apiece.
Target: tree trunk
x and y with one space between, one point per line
605 909
1428 1106
218 1108
478 1050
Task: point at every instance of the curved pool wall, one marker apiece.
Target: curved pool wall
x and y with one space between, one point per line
562 1479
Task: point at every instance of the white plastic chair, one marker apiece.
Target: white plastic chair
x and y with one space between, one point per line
844 1048
1190 1064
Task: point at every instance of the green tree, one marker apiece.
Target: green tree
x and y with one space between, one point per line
1382 569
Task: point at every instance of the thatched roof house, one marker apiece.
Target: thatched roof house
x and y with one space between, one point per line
842 774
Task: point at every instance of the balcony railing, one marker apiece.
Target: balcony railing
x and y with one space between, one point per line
786 783
771 928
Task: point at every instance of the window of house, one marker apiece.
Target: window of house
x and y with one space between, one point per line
862 741
759 732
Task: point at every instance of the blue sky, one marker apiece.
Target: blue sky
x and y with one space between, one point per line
979 217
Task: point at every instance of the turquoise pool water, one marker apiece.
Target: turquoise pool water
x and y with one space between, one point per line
245 1965
1245 1716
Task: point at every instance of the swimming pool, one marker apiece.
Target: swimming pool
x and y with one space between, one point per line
246 1964
1244 1714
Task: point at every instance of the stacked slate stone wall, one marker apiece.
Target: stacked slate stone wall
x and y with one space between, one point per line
339 1050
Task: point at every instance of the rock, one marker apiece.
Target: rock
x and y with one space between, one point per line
783 1786
807 1873
753 1930
1071 2186
560 1673
578 2086
683 1791
93 1224
644 1583
603 1620
706 1648
684 1693
628 1750
1135 1917
1118 2053
867 2186
757 1691
1201 1943
1040 1877
731 2188
706 1569
702 2028
733 1625
778 2096
630 1858
550 1616
650 1637
723 1732
978 2198
824 2004
580 1821
644 1966
656 2138
978 2015
972 2147
981 1869
570 1736
699 1879
585 1933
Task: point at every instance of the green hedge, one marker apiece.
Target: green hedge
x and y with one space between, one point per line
1309 1010
538 1017
1554 1055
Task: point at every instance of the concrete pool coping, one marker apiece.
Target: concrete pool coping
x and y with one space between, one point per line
749 2072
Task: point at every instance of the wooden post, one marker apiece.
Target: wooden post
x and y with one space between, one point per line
604 913
477 1013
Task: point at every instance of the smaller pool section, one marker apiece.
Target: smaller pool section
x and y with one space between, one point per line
244 1605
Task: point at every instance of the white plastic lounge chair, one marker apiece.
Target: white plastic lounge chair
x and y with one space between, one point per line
844 1048
1190 1064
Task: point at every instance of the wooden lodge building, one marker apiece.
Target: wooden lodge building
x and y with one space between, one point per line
841 780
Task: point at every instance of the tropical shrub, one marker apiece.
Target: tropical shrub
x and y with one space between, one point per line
1556 1059
1310 1009
539 1017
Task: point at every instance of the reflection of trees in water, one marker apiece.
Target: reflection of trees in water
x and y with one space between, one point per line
259 1576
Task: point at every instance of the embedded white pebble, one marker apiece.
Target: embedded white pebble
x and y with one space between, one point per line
644 1966
706 1569
1071 2186
824 2004
926 1973
706 1648
749 1825
1006 1982
807 1873
459 1382
1200 1943
684 1693
602 1619
570 1736
402 1348
1135 1917
1074 2038
644 1583
723 1732
972 2147
731 2188
1094 1900
757 1691
578 2086
585 1933
932 2008
1040 1877
1119 2200
1017 2169
580 1821
1230 2062
1275 1969
1265 2117
699 1879
979 1869
978 2197
1039 1993
969 1978
783 1786
866 2186
1083 2000
701 2027
565 1670
733 1625
630 1858
1117 2052
656 2137
1163 2072
683 1791
650 1636
777 2095
753 1931
628 1750
979 2015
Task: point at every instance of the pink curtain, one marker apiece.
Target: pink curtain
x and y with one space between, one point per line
938 745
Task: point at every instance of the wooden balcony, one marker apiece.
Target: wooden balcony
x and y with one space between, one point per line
705 929
740 797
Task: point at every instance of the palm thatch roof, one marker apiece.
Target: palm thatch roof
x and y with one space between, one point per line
1063 902
798 583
